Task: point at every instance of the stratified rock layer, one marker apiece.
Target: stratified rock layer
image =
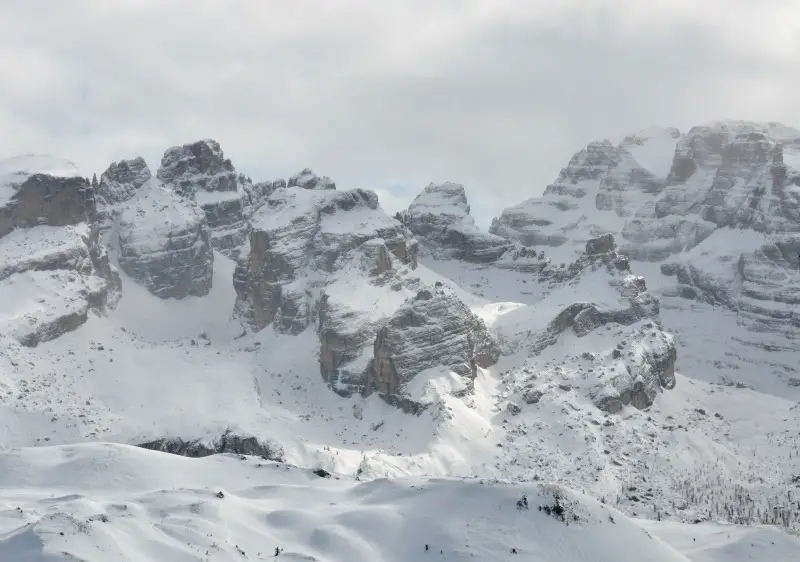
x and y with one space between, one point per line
200 171
164 244
439 215
53 270
433 329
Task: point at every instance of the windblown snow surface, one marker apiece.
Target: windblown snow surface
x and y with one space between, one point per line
115 502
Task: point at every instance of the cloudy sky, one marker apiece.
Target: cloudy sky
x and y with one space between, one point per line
386 94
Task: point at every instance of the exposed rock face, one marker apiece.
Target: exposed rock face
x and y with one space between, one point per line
200 171
259 192
334 259
601 245
297 231
52 278
28 200
307 179
548 221
722 175
119 184
440 216
227 443
647 367
53 271
164 244
718 205
647 364
432 329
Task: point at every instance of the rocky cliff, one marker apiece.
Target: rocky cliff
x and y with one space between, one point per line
334 259
612 299
53 270
119 184
440 217
164 243
432 330
200 171
718 206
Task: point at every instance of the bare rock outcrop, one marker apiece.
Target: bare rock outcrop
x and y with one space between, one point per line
645 366
164 244
432 329
119 184
307 179
54 272
440 216
299 234
637 373
200 172
30 197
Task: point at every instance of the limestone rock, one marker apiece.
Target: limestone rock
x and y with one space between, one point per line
53 271
635 375
307 179
200 171
42 191
119 184
52 278
433 329
300 231
440 215
649 367
164 244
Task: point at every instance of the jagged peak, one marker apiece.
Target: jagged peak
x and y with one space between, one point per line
197 149
134 171
448 198
307 179
198 165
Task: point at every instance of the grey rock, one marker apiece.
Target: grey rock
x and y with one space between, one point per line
200 171
601 245
646 365
227 443
651 367
164 244
536 222
119 184
513 408
433 329
299 230
307 179
47 239
440 216
532 396
41 199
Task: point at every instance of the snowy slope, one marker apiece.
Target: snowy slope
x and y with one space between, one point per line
111 502
190 368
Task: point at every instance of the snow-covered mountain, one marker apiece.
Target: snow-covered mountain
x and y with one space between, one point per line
629 335
715 216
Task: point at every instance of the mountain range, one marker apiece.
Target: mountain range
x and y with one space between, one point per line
622 348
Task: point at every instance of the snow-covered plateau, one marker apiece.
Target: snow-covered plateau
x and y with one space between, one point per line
195 366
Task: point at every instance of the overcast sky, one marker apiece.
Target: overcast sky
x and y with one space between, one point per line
386 94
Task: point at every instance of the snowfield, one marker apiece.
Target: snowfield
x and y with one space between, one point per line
113 502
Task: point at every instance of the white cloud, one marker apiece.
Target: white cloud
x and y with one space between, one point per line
496 95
